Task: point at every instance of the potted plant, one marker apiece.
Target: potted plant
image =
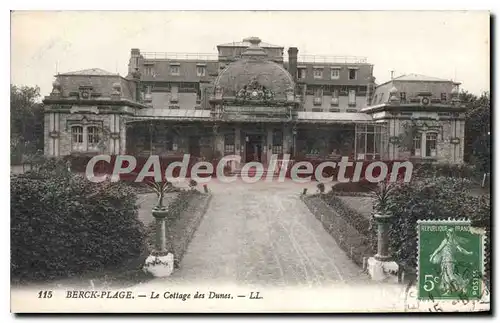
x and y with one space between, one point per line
160 188
382 196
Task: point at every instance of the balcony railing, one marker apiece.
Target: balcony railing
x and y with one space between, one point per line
184 56
332 59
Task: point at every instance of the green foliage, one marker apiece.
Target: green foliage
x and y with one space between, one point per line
430 170
425 199
62 224
477 129
160 189
382 196
26 122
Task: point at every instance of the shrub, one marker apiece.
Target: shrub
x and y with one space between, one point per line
425 199
63 224
363 186
321 187
429 170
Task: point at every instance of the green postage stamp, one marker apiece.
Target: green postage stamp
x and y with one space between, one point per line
450 260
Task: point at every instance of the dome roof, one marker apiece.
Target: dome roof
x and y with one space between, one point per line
254 67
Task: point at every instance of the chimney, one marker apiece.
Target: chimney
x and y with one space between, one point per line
135 56
292 62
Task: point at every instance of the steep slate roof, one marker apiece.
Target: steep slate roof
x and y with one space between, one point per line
91 72
419 77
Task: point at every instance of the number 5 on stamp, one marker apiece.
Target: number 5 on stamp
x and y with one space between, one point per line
450 261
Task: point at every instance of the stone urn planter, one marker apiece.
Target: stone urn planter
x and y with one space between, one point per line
380 266
160 262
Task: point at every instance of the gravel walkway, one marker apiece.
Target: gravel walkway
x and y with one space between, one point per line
263 234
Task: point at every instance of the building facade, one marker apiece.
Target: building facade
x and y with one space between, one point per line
247 100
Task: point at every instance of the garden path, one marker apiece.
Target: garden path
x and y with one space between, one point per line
263 234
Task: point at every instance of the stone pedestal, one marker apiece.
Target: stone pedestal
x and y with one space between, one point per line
382 270
161 262
380 267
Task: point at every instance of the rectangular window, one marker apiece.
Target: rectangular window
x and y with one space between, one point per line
335 73
352 98
301 73
93 135
277 142
229 143
352 74
318 73
77 134
200 70
417 146
443 97
402 97
148 70
174 70
430 145
370 142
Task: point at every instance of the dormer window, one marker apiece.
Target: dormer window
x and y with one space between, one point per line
352 74
201 70
318 73
335 73
148 70
301 73
175 69
402 97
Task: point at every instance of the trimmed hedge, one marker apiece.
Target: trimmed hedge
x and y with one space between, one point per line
63 225
356 219
429 170
350 229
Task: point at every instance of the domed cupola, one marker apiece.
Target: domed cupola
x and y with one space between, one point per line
254 78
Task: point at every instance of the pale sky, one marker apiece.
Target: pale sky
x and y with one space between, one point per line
444 44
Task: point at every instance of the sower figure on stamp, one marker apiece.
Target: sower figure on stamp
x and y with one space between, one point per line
445 256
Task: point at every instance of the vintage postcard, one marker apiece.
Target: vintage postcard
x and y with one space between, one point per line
250 161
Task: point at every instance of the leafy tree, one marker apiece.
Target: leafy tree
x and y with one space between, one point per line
26 121
477 129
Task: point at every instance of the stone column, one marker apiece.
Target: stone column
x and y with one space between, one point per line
383 221
287 139
123 136
269 143
160 213
237 144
